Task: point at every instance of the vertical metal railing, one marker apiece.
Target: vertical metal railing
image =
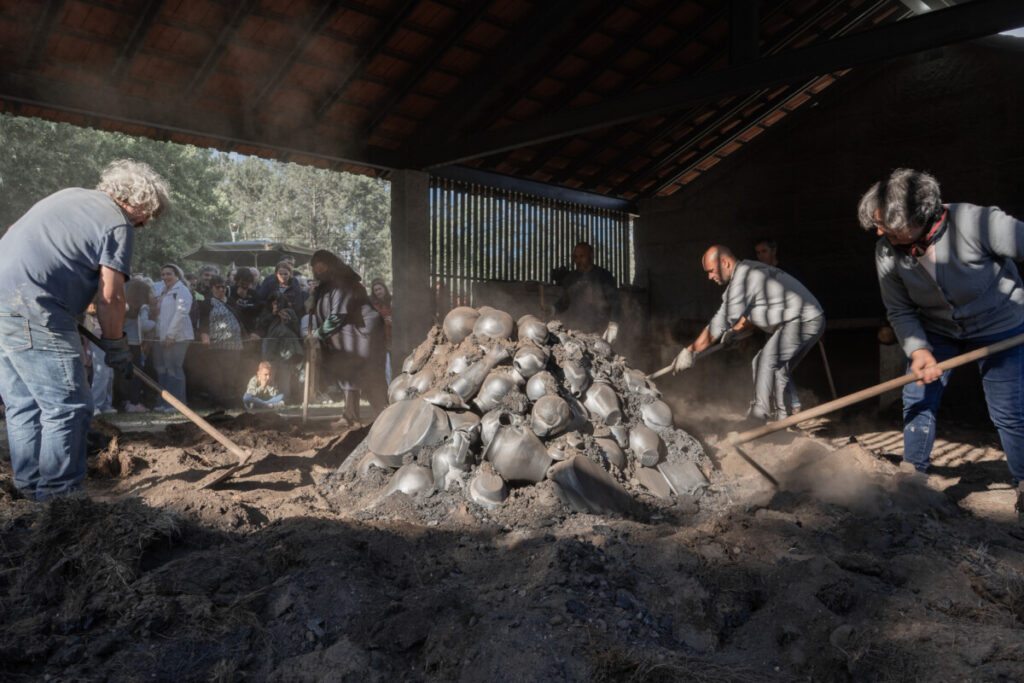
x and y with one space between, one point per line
482 233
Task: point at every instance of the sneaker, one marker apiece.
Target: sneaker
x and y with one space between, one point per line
134 408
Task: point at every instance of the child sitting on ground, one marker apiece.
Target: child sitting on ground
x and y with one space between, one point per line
261 393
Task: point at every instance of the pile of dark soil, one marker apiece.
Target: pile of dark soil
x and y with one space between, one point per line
846 573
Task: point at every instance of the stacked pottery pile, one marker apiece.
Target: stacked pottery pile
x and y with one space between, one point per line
486 404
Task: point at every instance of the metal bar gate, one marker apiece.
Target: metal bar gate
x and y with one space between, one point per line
482 234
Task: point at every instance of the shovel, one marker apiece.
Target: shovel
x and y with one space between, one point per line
240 453
857 397
701 354
309 387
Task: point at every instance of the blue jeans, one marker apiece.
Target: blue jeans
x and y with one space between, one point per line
49 406
250 401
1002 376
170 369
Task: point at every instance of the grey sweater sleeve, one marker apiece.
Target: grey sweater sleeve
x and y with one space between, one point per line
718 322
902 311
735 301
1000 233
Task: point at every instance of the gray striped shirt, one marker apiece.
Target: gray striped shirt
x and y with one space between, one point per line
766 296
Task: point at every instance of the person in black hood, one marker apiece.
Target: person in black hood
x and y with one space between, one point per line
351 333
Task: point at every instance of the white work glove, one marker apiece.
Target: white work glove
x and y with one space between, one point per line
611 333
684 361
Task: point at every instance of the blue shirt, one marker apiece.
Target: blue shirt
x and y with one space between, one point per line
50 258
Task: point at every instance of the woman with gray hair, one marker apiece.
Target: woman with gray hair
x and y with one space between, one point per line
950 284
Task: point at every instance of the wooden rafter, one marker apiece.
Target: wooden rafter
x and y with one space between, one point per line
636 76
238 17
734 112
137 37
309 32
48 19
956 24
516 52
365 57
466 18
681 120
109 102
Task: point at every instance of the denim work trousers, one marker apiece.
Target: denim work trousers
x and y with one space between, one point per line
49 406
1002 376
170 368
773 365
250 401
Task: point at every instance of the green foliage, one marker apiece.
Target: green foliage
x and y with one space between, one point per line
212 194
347 214
41 157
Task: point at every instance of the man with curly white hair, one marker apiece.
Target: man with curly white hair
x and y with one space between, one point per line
67 249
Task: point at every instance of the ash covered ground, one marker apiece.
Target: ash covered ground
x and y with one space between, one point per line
296 569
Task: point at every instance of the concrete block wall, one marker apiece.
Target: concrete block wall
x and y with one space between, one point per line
410 263
954 112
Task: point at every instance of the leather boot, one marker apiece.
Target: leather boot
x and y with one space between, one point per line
351 411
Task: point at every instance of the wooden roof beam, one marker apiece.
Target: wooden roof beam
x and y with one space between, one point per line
570 90
238 17
365 57
515 53
466 18
309 32
957 24
638 75
109 102
48 19
136 38
662 184
668 127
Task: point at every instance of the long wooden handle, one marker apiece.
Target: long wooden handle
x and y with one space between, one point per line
234 448
864 394
668 368
307 387
700 354
828 370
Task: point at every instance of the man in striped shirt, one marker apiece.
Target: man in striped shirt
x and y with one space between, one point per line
761 296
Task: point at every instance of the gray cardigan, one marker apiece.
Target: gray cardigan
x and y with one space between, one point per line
766 296
976 290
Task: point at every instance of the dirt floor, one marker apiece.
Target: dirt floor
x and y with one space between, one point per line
846 572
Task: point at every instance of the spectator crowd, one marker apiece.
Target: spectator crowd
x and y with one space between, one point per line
239 340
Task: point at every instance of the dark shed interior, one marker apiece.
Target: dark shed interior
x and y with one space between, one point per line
710 120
